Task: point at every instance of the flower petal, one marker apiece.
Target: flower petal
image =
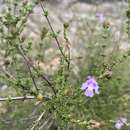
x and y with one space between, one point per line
89 93
84 86
118 126
123 120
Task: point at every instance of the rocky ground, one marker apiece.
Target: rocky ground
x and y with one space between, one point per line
78 15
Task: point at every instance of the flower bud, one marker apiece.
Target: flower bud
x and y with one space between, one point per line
40 97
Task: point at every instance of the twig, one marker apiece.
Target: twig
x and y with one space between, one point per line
47 123
29 68
10 76
42 76
22 98
7 73
17 98
38 120
56 39
67 45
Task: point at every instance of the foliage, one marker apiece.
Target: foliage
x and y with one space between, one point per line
57 99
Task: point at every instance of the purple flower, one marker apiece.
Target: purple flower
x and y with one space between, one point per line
101 17
120 123
90 87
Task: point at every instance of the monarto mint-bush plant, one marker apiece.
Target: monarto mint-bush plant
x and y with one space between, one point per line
95 98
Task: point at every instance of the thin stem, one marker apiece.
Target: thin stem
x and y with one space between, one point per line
47 123
17 98
56 39
30 65
29 68
10 77
38 120
68 46
44 78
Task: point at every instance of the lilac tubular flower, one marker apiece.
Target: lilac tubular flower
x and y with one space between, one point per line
120 123
90 87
